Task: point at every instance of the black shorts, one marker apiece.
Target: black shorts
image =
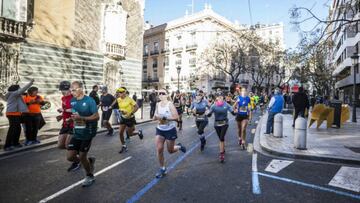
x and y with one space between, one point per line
106 115
167 134
66 130
240 118
129 122
179 110
79 145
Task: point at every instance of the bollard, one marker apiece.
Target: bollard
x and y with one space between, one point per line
300 133
278 125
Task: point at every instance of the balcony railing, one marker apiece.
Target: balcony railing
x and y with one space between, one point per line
155 52
166 50
178 49
13 31
145 54
191 47
150 80
116 51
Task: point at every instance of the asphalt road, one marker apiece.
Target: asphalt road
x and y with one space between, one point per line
193 177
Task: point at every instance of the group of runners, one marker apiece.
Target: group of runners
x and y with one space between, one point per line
80 116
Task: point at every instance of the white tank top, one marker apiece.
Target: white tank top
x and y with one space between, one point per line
165 112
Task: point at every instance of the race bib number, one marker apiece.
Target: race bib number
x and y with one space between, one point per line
243 109
200 117
105 108
220 123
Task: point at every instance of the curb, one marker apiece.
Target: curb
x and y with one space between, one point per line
301 156
51 141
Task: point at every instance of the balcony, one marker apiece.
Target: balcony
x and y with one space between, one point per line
178 49
155 52
166 50
115 51
347 81
13 31
191 47
151 80
145 54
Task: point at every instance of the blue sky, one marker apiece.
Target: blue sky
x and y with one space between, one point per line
263 11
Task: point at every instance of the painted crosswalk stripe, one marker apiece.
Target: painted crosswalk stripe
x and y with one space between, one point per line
277 165
347 178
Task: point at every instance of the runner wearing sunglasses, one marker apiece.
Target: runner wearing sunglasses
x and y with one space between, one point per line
167 116
199 107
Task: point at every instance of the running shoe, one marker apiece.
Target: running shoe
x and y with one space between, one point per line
222 157
9 148
162 172
182 148
110 132
203 143
18 146
74 166
141 136
123 149
36 142
92 164
240 142
243 146
27 142
89 180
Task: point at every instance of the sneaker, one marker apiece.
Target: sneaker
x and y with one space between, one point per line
162 172
240 142
74 166
182 148
222 157
123 149
110 132
89 180
92 164
36 142
18 146
141 136
27 142
9 148
243 146
203 143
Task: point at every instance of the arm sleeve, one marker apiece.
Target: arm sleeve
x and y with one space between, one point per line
230 108
23 89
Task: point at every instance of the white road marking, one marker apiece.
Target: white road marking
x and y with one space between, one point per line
277 165
347 178
193 126
81 181
255 177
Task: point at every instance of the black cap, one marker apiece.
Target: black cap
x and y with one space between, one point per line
64 85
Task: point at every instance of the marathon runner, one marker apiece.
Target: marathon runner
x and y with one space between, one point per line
221 124
178 103
243 109
85 116
127 107
67 128
198 107
106 100
188 104
167 115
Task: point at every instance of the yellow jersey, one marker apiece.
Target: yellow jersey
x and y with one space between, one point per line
126 105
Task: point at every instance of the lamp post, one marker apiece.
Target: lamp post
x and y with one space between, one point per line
355 61
178 72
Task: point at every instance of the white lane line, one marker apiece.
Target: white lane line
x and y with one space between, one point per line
81 181
255 177
277 165
347 178
193 126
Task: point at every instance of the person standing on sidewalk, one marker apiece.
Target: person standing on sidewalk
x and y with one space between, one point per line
153 100
33 116
106 100
93 94
301 103
127 107
276 105
85 116
167 116
14 108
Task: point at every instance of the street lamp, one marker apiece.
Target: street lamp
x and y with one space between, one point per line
178 72
355 61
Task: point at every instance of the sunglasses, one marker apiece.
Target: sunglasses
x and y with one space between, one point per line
162 93
74 90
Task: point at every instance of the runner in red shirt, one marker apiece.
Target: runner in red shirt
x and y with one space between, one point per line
67 128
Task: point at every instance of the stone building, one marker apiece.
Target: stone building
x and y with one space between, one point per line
95 42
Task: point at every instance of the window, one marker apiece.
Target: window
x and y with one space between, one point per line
193 38
166 45
178 59
166 61
156 46
192 60
146 49
144 64
155 63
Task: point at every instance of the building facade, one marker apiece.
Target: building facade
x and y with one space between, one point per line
95 42
346 43
172 53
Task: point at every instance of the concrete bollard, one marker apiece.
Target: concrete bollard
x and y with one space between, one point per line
300 133
278 125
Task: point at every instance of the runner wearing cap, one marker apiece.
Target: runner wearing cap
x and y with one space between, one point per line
106 100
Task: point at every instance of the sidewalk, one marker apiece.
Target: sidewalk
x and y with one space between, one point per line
48 135
332 145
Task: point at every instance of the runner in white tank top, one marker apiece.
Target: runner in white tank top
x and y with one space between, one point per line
167 116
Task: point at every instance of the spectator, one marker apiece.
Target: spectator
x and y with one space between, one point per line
153 101
33 117
301 103
134 97
14 108
93 94
275 106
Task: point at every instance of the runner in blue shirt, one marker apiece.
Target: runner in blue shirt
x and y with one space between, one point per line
243 109
199 107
